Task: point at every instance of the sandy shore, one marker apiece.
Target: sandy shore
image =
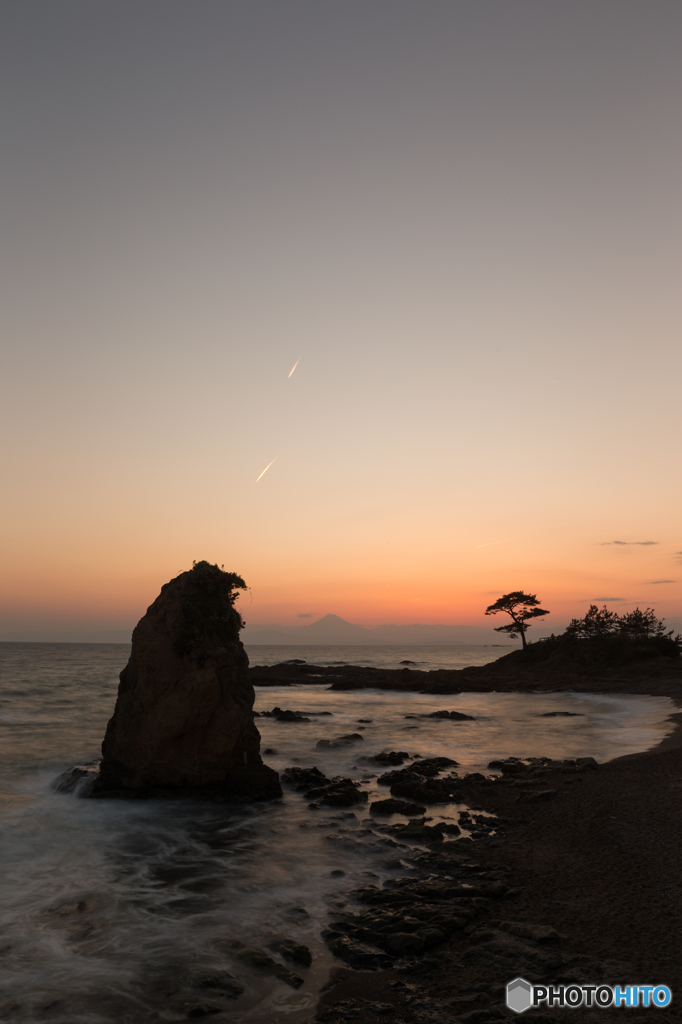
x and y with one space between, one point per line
597 857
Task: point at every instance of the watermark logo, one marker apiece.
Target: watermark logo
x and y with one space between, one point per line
521 995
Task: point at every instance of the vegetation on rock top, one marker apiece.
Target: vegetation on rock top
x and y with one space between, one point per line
208 608
603 638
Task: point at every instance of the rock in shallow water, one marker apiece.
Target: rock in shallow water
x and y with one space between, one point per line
340 741
396 807
262 962
337 792
183 723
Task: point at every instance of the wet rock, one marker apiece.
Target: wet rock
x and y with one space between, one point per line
223 982
449 828
357 954
509 766
340 741
415 832
396 807
389 757
79 779
562 714
283 716
338 792
541 795
453 716
418 788
303 778
404 775
183 723
290 950
588 763
427 764
357 843
260 960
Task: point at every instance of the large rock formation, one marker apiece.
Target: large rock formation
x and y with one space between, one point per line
183 721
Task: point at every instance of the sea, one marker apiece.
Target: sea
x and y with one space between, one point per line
115 911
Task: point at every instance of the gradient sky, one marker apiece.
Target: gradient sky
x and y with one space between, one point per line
462 217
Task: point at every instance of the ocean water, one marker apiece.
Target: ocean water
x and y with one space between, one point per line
113 911
421 657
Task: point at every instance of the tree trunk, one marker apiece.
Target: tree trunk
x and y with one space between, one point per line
522 630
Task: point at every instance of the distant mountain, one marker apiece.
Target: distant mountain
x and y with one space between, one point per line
333 630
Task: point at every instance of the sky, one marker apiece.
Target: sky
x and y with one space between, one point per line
461 220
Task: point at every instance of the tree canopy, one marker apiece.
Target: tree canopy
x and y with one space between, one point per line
521 607
601 622
601 639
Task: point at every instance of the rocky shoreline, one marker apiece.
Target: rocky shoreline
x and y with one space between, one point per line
513 672
571 874
571 877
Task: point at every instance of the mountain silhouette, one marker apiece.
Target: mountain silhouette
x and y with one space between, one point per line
333 624
333 630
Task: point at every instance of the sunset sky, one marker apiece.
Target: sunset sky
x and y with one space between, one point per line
462 217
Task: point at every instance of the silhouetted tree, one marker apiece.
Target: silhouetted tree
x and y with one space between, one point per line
597 622
521 607
642 625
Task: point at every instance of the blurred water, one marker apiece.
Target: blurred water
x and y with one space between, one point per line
113 911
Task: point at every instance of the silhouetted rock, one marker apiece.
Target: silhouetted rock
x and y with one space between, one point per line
396 807
510 766
79 779
428 764
282 716
419 782
337 792
454 716
304 778
388 757
183 723
341 741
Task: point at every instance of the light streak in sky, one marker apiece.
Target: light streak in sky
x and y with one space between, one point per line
266 469
489 544
294 367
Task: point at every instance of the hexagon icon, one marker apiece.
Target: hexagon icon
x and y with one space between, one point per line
519 995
